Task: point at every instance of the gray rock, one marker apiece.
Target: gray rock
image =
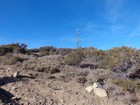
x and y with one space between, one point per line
15 75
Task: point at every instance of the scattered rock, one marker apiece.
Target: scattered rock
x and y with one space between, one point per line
51 77
14 88
97 85
100 92
97 90
89 89
15 75
26 76
26 103
15 99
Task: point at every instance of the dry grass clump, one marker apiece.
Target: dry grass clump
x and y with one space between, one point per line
48 64
47 50
10 59
43 52
40 68
78 76
130 85
47 69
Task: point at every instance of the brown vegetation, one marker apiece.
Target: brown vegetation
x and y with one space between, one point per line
117 70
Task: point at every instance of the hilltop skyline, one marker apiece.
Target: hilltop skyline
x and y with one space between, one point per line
103 24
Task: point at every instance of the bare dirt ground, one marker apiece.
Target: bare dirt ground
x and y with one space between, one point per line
46 89
66 87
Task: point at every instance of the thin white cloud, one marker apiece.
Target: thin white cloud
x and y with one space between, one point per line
135 32
113 8
117 28
68 39
90 27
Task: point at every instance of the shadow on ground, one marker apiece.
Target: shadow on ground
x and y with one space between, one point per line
5 96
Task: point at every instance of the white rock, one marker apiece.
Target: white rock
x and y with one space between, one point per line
16 74
89 88
100 92
97 85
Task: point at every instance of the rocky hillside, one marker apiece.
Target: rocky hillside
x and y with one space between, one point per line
52 76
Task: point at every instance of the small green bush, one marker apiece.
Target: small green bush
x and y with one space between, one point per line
74 58
102 58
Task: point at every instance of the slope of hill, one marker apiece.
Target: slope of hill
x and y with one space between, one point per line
51 76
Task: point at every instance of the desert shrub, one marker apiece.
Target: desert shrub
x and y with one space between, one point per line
29 65
121 58
130 85
74 58
117 59
10 59
53 70
134 72
77 74
47 69
13 60
88 52
47 50
72 74
81 80
63 51
41 68
34 50
43 52
102 58
16 48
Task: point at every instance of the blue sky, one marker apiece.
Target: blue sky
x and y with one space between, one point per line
103 23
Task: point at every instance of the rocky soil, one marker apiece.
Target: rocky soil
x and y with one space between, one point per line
61 76
64 87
